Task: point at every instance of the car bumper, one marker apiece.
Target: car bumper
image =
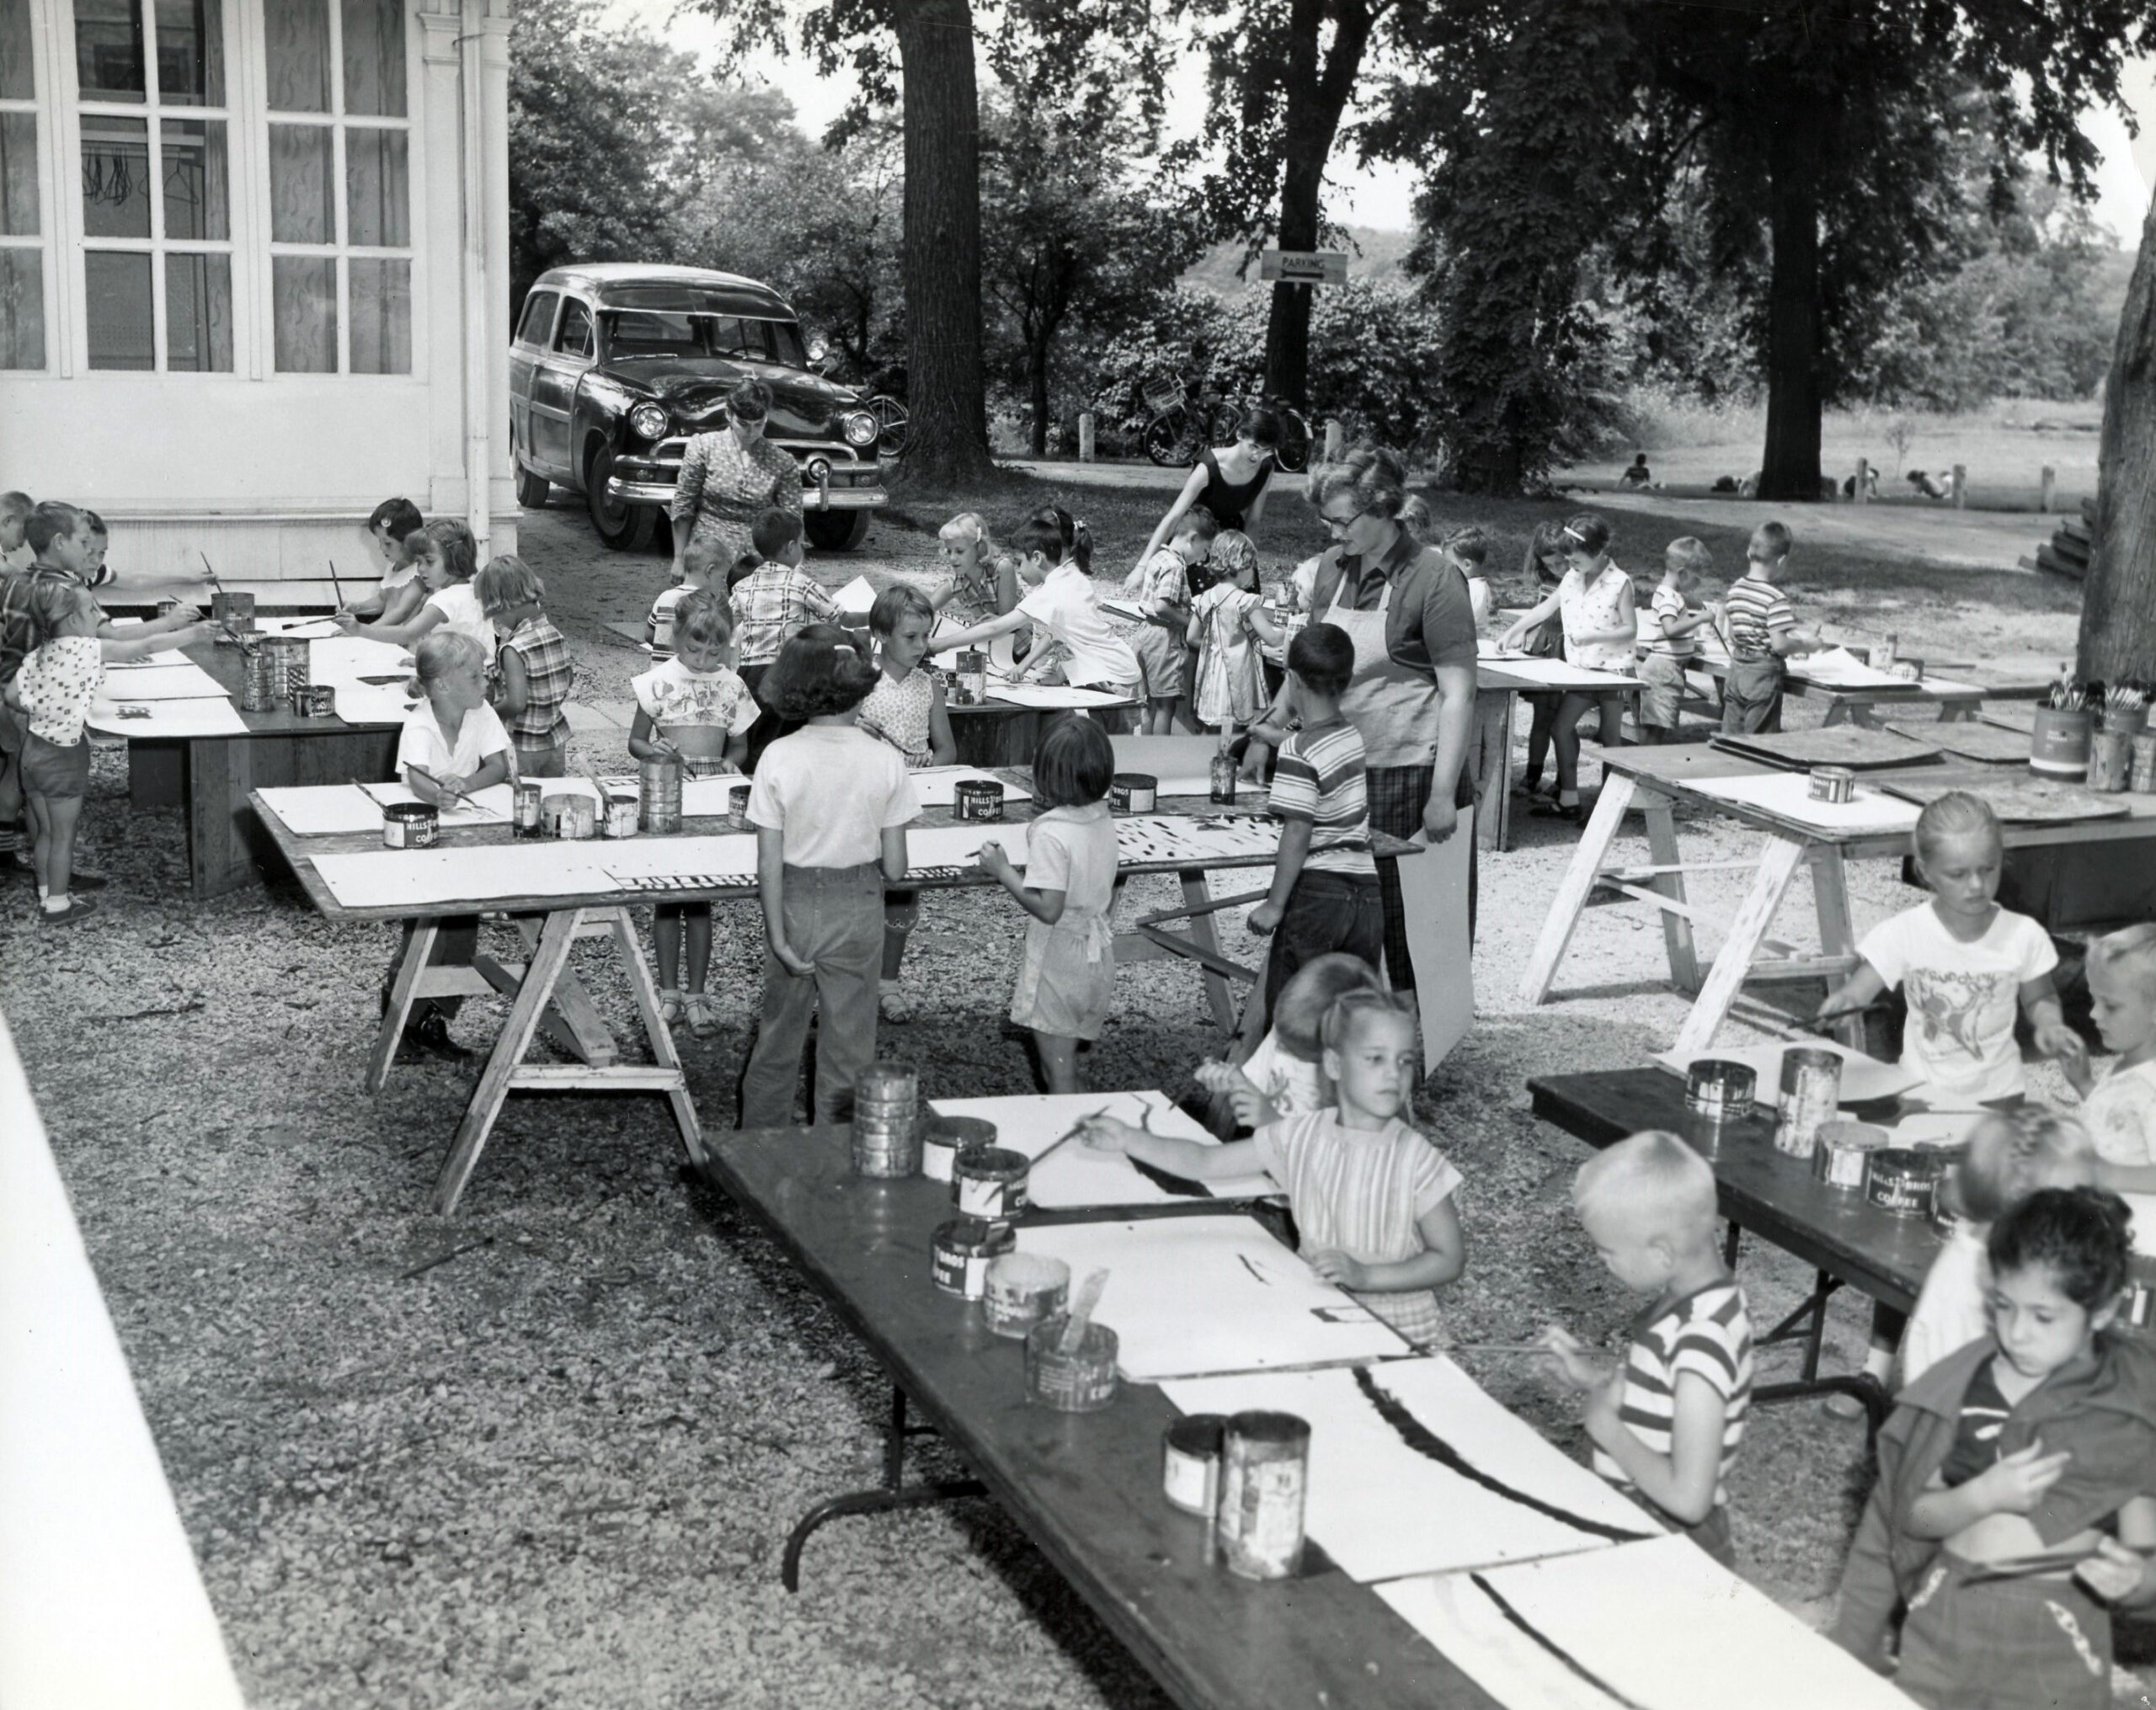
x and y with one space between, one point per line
661 493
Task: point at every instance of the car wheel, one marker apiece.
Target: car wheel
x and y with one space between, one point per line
532 490
626 528
836 530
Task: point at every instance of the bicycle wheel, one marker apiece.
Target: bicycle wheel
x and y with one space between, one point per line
1169 440
1292 453
891 431
1225 422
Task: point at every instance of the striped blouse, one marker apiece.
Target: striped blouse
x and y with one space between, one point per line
1707 1333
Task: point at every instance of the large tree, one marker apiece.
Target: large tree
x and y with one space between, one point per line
2118 601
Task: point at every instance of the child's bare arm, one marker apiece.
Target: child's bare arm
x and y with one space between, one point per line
736 751
1443 1258
1521 624
1859 992
1253 1110
2047 1020
1044 905
493 769
642 744
894 854
516 687
1184 1157
1796 640
1269 632
142 643
2013 1484
1287 868
943 744
1681 1483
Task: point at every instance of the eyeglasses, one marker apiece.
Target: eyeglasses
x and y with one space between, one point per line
1340 526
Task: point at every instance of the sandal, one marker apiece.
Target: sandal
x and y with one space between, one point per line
1556 809
703 1019
670 1008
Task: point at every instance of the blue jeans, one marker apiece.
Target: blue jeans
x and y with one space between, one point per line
1326 911
833 918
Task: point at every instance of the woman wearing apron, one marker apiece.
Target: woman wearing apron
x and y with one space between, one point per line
1412 695
727 477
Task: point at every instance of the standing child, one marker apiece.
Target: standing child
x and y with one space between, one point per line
905 709
831 807
1282 1077
1595 604
537 670
1672 644
699 560
771 605
1227 622
1163 593
1325 894
2120 1108
1066 982
1666 1425
2009 1155
447 558
1761 631
2035 1441
390 524
1060 599
1468 550
1372 1198
695 700
1544 569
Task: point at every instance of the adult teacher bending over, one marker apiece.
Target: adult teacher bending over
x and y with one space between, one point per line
1412 695
1231 482
728 476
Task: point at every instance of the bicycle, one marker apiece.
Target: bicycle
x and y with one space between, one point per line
1188 417
892 425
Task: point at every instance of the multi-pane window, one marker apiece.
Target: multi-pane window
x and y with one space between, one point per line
22 226
156 183
340 214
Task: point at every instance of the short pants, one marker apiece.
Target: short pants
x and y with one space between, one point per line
1751 695
1664 676
1163 662
2004 1645
54 772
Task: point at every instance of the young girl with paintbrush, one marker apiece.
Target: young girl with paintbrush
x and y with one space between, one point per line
1373 1198
694 707
1066 980
2013 1479
831 806
447 557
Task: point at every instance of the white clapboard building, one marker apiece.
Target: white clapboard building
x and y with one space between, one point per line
253 273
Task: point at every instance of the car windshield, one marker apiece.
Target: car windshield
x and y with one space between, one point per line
634 333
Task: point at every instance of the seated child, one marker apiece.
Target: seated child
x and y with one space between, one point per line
1666 1425
830 808
2036 1441
1325 894
699 559
1227 622
448 559
1372 1198
2009 1157
537 670
1059 600
982 581
2120 1110
390 524
1066 978
1673 644
453 746
1282 1077
1163 593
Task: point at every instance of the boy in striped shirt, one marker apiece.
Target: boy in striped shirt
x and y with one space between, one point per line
1666 1425
1324 895
1761 631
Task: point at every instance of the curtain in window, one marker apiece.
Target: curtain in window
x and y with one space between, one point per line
382 316
303 294
22 309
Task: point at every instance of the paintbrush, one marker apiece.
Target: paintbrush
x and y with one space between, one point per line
1500 1348
2021 1567
1081 1313
335 586
209 570
1068 1134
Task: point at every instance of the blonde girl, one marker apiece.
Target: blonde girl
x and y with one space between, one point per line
1227 622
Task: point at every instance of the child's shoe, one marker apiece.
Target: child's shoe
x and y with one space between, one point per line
73 909
703 1019
670 1008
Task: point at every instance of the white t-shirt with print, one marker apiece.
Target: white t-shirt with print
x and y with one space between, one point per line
672 693
459 606
424 744
1963 997
1296 1088
1064 605
2120 1114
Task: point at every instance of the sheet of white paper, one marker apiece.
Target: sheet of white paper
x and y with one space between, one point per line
682 863
492 805
1863 1078
185 681
1659 1625
1837 667
1191 1296
1433 897
1501 670
485 873
1790 794
1194 839
367 703
327 810
1052 695
857 596
1414 1469
155 662
167 720
1183 764
937 786
343 658
1076 1174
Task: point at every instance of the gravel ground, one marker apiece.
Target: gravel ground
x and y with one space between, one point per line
546 1454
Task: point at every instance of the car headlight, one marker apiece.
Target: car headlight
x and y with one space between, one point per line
648 422
859 428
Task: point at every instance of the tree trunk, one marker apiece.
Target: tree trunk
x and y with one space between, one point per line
1789 469
947 396
2118 600
1036 375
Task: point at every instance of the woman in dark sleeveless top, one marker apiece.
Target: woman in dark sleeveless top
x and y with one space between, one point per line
1231 482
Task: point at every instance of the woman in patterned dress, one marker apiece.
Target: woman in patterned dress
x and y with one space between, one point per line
730 475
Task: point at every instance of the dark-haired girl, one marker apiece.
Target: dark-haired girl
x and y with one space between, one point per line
831 805
1066 981
1594 603
1229 482
2012 1501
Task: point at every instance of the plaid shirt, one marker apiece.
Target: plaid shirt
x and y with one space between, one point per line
774 603
19 633
548 671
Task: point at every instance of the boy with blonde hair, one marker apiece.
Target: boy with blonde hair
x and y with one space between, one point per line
1666 1425
1671 644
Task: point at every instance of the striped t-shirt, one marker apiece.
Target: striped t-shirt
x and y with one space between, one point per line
1362 1191
1757 611
1707 1333
1318 777
1669 603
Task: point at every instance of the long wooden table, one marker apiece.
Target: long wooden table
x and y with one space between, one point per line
1087 1487
1845 1240
211 778
1657 780
545 995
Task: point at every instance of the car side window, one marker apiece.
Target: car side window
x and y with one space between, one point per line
538 317
575 338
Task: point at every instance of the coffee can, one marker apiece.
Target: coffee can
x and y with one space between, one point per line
990 1181
1264 1482
961 1250
977 799
1812 1092
1133 793
1832 784
1190 1462
1844 1153
1720 1088
525 799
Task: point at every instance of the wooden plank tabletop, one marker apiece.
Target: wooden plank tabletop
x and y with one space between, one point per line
1087 1487
1766 1191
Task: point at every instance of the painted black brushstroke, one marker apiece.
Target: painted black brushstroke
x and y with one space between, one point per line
1181 1186
1427 1443
1551 1645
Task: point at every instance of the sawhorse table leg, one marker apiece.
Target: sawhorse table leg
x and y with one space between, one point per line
1808 1324
1777 867
1152 941
1573 891
894 1493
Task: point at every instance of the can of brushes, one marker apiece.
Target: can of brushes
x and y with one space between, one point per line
316 700
258 681
1081 1381
887 1122
737 805
977 799
410 825
1190 1463
990 1181
1721 1089
1264 1482
1812 1092
961 1251
942 1139
291 666
1023 1290
622 813
523 804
